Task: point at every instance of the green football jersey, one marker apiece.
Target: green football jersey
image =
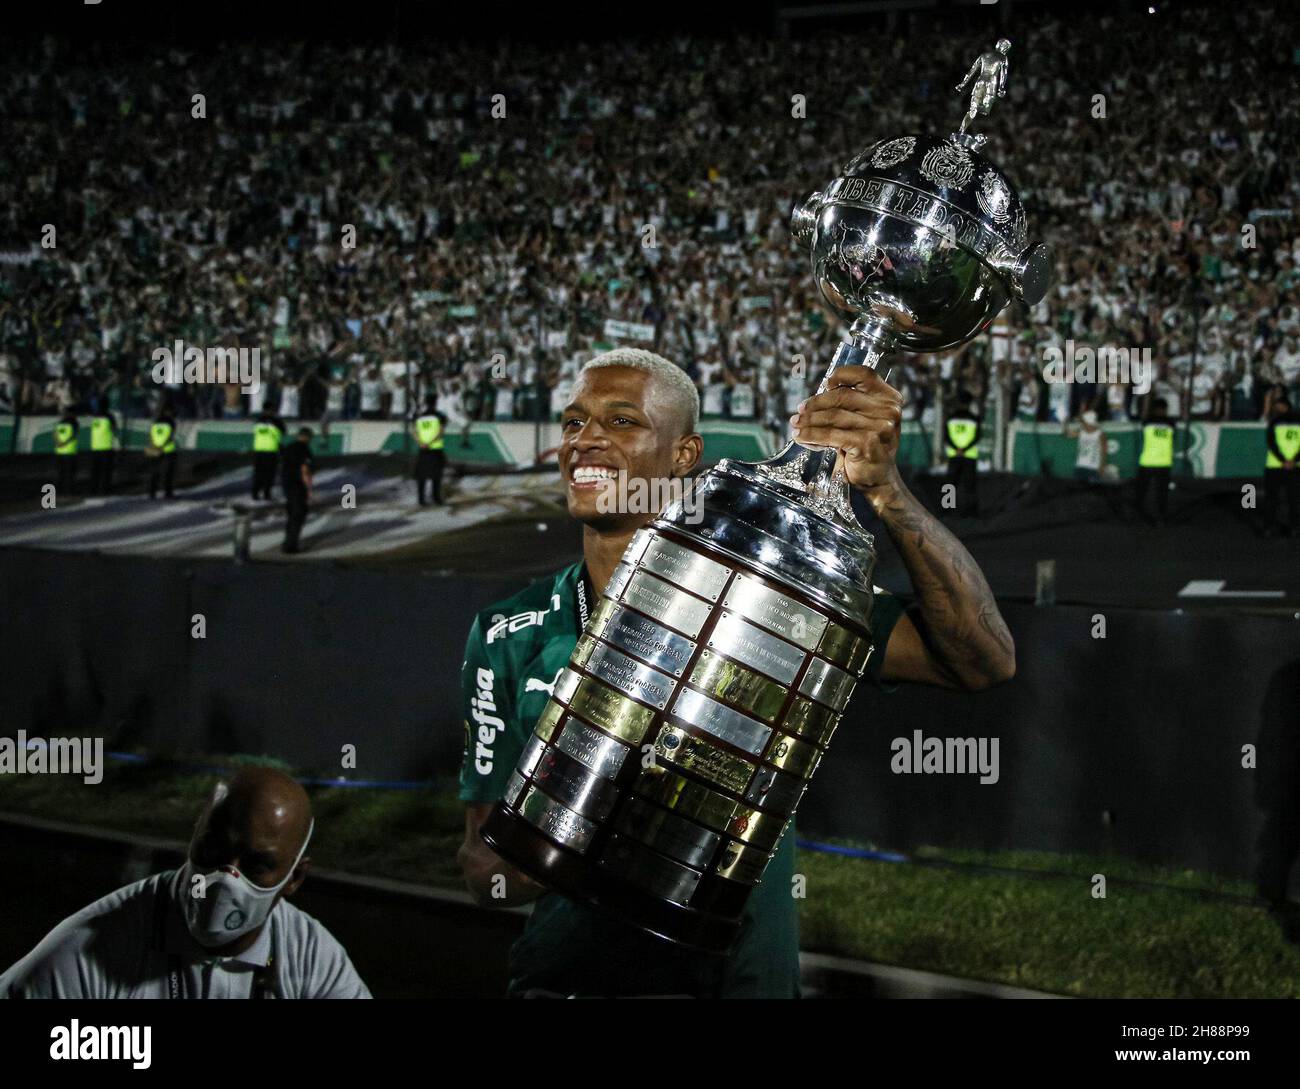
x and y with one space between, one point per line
515 654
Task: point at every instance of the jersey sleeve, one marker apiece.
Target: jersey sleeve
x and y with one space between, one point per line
488 714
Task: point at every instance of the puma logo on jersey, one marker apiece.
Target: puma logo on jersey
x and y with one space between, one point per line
508 625
482 710
536 684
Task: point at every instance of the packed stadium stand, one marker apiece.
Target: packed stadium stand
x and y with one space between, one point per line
640 193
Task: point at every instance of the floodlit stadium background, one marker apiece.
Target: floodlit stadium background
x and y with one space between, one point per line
493 256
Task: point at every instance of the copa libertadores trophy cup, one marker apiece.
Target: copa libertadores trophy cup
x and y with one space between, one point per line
705 689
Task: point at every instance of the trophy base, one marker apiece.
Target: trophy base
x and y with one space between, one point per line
568 874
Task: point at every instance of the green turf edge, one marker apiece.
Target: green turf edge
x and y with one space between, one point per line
1046 933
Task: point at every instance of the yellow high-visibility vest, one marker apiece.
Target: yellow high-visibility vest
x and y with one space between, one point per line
266 439
1157 446
65 438
429 431
163 437
1288 441
101 434
961 432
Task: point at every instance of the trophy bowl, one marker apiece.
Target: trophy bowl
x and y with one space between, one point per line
923 237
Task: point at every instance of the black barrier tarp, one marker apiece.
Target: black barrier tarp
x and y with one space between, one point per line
1131 744
297 661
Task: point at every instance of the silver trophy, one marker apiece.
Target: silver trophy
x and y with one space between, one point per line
707 684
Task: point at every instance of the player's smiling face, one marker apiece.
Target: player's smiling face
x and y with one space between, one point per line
615 423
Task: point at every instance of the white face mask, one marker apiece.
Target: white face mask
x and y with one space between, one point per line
231 905
1089 418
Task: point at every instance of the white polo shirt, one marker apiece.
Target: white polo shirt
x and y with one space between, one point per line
133 943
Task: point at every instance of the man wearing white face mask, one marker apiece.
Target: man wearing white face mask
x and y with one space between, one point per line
219 927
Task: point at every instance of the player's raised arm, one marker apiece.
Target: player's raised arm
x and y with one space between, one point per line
957 637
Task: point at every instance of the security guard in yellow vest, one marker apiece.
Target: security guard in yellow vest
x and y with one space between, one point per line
103 436
1155 460
1281 476
431 461
161 449
963 450
65 451
267 435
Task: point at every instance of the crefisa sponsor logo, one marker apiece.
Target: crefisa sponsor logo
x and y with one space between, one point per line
483 711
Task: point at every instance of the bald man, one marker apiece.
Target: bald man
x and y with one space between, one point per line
220 926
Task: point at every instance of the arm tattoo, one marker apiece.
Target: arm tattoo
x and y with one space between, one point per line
960 621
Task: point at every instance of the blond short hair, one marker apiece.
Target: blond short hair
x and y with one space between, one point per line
681 391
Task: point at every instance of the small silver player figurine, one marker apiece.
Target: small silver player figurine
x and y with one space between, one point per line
990 75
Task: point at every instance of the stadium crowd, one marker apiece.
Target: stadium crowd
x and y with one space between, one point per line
647 184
